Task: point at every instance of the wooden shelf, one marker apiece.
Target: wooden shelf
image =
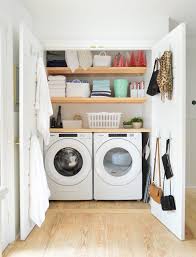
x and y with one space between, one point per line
97 70
100 130
101 100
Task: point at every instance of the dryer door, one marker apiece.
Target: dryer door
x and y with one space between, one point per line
68 162
118 162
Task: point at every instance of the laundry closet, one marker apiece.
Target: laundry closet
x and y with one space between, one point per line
95 147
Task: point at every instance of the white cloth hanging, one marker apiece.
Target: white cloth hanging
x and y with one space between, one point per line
71 58
39 191
43 103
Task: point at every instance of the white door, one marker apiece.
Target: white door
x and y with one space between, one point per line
4 221
29 52
7 179
169 120
191 113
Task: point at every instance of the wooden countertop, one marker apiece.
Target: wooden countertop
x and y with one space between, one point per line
99 130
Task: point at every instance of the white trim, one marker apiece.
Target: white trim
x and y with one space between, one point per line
7 130
3 192
190 187
96 46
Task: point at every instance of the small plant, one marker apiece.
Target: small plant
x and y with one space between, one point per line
128 122
137 122
137 119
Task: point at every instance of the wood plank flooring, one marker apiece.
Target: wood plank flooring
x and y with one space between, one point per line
106 229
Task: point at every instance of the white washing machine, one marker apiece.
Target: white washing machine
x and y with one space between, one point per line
117 166
68 164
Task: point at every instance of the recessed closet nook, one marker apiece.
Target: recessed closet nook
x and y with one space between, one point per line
157 115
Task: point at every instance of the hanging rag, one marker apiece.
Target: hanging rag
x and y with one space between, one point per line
165 76
71 57
85 59
39 191
43 103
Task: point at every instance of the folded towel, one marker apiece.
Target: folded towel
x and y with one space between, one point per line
101 91
97 96
56 78
109 94
56 84
56 63
101 82
101 95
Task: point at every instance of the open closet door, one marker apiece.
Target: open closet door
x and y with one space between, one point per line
169 121
29 51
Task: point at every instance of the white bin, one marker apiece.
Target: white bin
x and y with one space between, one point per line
77 88
72 123
104 119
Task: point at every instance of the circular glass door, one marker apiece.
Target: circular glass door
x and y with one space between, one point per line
118 162
68 162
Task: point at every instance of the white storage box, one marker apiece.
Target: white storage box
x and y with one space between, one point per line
57 92
104 119
72 123
76 88
102 60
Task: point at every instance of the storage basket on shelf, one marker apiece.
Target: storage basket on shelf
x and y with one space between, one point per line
102 60
77 88
104 119
72 124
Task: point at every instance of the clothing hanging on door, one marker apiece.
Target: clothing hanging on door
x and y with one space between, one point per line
43 103
39 191
165 76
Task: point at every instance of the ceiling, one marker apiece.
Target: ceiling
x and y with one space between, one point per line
178 10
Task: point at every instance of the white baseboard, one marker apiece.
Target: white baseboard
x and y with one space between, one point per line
190 187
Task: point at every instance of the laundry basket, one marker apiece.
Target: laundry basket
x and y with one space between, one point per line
104 119
78 88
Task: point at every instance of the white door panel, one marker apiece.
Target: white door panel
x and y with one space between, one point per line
192 160
169 120
191 113
29 47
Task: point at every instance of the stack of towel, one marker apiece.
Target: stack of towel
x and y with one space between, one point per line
57 85
101 88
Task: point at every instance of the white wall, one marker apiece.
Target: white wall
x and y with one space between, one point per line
96 22
12 13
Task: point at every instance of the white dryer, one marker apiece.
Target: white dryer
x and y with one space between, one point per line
68 164
117 166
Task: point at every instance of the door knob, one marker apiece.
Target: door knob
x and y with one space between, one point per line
194 102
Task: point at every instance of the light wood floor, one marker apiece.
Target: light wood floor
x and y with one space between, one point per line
106 229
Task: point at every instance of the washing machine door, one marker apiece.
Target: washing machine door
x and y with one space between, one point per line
118 162
68 162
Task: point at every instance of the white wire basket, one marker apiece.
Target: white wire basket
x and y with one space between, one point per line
104 119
